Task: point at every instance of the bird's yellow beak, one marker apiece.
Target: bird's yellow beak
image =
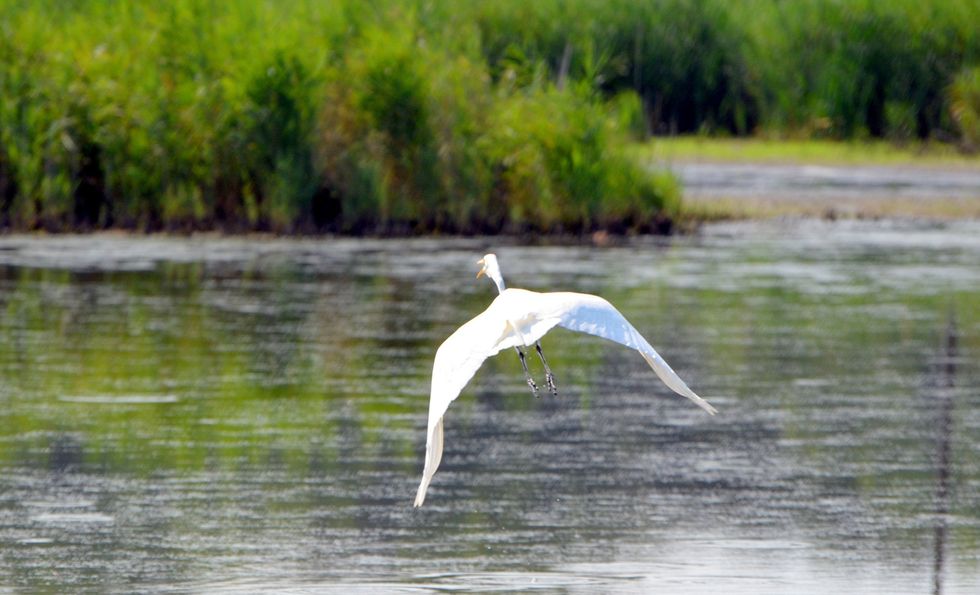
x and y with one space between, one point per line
483 270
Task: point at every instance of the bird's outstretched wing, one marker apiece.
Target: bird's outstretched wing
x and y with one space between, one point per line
592 314
457 360
519 317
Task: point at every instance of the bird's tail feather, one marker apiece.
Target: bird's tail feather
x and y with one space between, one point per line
671 379
433 456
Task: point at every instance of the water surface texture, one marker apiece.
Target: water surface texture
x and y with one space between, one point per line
248 415
814 182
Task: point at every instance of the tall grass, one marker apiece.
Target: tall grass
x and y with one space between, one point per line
402 115
965 106
825 67
299 115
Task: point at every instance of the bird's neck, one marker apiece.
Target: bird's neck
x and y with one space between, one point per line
499 282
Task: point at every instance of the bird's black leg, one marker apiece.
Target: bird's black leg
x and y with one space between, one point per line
527 374
548 376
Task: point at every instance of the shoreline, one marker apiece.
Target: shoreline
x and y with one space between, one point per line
699 204
727 208
767 179
698 213
871 153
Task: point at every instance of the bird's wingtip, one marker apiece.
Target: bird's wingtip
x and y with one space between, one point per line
420 494
702 403
433 455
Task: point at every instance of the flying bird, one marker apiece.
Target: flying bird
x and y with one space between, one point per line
519 318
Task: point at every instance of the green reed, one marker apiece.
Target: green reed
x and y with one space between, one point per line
410 116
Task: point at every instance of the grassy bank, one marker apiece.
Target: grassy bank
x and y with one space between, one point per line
399 115
817 151
340 116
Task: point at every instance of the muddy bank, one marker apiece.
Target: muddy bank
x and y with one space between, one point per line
768 189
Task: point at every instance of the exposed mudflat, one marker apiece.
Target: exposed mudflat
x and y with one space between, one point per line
778 189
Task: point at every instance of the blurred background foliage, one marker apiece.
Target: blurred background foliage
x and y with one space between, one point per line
427 115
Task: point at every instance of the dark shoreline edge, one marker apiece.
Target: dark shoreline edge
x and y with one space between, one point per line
662 225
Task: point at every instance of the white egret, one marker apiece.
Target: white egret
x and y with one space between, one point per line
516 318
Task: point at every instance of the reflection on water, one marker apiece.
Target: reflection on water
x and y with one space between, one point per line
228 415
947 381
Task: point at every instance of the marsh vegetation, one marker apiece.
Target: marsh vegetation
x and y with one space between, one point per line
409 116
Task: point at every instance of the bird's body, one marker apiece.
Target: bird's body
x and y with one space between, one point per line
519 318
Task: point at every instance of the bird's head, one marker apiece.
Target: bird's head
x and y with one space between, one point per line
492 270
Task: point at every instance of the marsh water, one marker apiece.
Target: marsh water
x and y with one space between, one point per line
208 415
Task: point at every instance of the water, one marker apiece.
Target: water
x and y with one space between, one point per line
227 415
815 182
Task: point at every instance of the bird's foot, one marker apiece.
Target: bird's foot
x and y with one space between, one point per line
534 387
549 378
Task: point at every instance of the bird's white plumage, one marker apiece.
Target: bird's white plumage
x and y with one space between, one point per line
518 317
